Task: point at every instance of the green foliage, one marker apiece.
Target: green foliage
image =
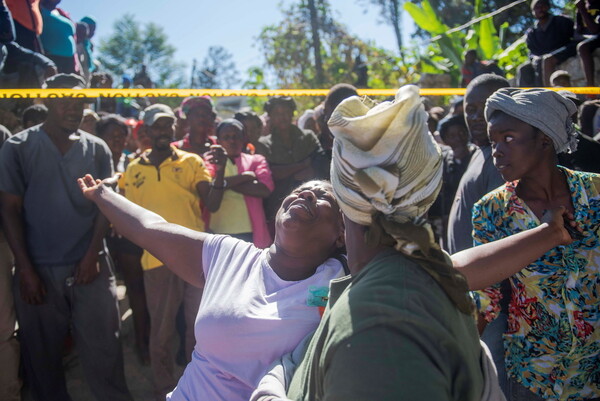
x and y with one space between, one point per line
513 56
217 70
426 18
489 42
445 54
289 56
132 45
256 80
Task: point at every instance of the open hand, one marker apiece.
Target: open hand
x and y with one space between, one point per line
90 186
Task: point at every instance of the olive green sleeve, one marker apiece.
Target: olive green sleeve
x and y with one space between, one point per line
384 363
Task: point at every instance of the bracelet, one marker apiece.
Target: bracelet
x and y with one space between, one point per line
212 185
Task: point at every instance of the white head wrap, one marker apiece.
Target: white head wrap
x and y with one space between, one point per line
384 158
541 108
386 172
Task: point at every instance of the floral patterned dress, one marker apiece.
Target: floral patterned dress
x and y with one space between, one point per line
553 341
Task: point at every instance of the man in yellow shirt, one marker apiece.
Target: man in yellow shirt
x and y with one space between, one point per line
173 184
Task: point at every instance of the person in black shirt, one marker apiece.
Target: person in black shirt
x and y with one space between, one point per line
550 42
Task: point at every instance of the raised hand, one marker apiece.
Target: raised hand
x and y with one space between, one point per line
217 156
90 186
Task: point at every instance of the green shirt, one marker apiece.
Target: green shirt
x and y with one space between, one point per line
390 333
304 145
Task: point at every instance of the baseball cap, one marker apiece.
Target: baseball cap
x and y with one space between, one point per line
67 81
192 102
156 111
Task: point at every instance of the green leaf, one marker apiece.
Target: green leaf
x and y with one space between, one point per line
502 34
451 50
429 66
425 17
472 40
477 8
512 49
488 38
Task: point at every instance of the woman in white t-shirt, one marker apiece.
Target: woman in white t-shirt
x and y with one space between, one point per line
258 304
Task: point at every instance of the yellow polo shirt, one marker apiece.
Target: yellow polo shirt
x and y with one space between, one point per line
168 190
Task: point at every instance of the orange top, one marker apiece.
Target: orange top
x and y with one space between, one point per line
27 13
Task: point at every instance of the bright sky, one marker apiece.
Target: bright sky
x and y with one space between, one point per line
194 25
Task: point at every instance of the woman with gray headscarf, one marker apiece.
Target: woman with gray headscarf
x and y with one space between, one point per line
553 339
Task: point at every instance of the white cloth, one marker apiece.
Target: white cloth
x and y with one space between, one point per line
308 114
248 318
491 387
275 383
384 158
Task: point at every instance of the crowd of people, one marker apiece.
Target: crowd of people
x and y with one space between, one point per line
354 251
230 226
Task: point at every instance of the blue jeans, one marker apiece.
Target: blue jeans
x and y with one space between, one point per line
91 311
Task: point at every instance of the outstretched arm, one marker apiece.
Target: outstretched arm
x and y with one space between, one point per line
490 263
179 248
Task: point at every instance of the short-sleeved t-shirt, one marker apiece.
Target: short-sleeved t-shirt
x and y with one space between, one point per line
248 318
552 345
168 190
559 32
58 35
58 219
480 178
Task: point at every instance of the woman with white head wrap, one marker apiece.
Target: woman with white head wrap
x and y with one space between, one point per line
400 327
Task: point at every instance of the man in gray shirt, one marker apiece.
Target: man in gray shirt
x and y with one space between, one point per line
56 235
480 178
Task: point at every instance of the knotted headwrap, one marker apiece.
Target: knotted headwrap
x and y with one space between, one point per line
386 173
541 108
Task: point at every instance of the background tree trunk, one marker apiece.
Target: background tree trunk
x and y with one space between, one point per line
316 42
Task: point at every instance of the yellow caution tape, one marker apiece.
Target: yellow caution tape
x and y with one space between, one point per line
100 92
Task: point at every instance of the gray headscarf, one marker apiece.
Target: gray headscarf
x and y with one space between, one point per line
541 108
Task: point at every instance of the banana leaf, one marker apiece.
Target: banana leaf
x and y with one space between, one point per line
451 50
488 38
425 17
